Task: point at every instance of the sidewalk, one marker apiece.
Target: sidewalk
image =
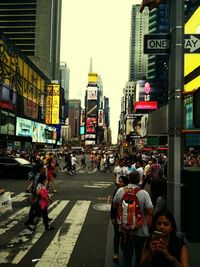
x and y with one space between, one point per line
194 249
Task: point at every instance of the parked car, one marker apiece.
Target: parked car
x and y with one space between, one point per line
15 167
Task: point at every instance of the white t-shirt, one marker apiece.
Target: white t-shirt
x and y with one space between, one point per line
144 203
120 171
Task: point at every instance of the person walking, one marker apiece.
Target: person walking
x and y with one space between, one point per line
44 200
120 170
164 248
123 181
133 240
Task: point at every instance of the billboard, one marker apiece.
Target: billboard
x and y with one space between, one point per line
82 118
133 126
8 97
49 99
146 96
92 93
40 133
24 127
91 107
55 104
91 125
92 77
100 117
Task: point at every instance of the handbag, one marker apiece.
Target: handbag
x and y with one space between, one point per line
5 203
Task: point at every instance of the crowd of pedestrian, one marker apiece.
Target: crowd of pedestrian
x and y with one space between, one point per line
146 176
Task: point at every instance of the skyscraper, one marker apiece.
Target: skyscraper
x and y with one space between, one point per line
33 26
138 60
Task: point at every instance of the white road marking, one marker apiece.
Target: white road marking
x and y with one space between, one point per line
7 255
59 251
20 197
13 220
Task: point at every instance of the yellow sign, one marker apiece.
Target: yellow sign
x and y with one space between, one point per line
192 61
92 77
56 104
48 117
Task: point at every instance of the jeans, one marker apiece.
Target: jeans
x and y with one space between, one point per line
130 244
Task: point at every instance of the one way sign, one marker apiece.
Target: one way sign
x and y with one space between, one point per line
192 43
160 43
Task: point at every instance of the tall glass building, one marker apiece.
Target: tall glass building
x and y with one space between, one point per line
33 26
138 60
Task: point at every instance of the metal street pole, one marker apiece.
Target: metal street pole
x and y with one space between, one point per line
175 111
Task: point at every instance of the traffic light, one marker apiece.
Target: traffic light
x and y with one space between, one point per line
196 108
151 4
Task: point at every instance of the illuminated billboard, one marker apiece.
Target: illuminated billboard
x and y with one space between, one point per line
192 61
91 125
92 93
49 99
133 125
100 117
82 118
146 96
92 77
91 107
40 133
56 104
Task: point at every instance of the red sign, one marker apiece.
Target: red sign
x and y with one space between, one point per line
151 105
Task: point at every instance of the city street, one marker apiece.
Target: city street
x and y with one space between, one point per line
80 213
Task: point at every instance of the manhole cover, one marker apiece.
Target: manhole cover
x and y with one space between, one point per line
102 206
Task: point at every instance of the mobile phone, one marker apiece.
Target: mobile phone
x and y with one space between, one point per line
157 235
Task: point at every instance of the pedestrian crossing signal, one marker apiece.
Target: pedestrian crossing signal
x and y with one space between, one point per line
196 108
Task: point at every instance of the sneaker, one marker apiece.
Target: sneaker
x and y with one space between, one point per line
54 191
49 219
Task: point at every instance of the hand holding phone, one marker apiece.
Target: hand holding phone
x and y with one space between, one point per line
157 235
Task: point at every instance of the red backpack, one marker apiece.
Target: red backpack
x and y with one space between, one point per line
130 216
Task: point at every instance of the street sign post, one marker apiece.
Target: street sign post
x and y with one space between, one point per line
159 44
156 44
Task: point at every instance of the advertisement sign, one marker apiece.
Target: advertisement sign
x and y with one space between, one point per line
92 93
90 136
146 96
133 126
24 127
82 118
89 142
7 97
100 117
30 109
92 107
82 130
91 125
92 77
56 104
49 99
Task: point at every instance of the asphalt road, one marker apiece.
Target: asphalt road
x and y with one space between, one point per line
81 211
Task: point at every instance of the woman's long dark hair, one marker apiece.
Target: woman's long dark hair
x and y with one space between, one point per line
169 215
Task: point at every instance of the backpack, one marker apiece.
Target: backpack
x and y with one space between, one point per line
130 216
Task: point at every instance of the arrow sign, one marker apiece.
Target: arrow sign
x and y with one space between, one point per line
192 43
160 43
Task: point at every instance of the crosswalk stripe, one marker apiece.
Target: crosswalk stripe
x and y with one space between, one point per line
56 253
26 235
40 230
20 197
13 220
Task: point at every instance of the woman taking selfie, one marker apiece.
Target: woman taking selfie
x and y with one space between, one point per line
164 248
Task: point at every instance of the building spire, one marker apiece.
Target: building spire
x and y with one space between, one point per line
90 70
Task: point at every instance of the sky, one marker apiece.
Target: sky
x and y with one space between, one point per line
99 30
